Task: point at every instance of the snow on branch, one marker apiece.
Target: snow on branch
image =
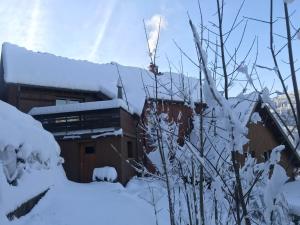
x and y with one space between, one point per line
215 100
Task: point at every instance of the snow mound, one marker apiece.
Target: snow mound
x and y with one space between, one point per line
29 159
21 132
105 174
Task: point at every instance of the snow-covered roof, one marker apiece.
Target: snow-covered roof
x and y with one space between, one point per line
85 106
42 69
243 105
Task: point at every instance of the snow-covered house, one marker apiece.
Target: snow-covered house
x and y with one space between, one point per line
73 101
265 131
92 109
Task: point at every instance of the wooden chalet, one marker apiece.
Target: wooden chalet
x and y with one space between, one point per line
265 132
93 129
94 110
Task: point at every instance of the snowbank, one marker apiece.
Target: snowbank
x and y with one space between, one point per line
106 173
21 131
29 158
292 195
43 69
93 204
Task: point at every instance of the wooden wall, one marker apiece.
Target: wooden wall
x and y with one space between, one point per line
105 155
265 136
79 166
27 97
261 140
177 111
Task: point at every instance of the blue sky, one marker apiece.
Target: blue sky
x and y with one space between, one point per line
112 30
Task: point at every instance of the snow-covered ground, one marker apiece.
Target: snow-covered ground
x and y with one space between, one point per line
96 203
69 203
292 194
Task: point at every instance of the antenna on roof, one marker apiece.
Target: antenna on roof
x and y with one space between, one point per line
120 86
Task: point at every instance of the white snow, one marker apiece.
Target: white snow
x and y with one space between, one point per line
29 156
43 69
95 203
106 173
243 106
77 107
21 131
118 132
255 118
243 68
32 183
98 131
292 195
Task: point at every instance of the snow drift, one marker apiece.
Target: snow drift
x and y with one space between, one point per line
29 158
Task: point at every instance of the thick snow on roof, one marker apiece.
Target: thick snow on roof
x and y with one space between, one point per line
77 107
244 105
43 69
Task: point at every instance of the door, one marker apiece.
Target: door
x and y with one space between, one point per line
87 161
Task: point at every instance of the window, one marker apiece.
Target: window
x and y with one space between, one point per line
129 149
64 101
90 150
67 119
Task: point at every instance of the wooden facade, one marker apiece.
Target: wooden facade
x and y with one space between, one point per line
177 111
263 136
91 149
97 148
25 97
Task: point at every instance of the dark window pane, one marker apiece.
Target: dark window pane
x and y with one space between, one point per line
89 150
129 149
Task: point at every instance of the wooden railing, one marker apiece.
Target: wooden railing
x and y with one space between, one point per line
72 121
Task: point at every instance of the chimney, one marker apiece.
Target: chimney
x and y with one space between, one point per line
120 87
154 69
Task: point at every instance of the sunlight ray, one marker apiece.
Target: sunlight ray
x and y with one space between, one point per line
106 16
33 27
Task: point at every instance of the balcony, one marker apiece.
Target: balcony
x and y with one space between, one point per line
80 118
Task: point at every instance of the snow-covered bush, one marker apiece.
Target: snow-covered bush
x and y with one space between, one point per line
29 158
24 143
106 173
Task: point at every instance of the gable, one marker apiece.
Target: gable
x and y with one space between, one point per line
274 134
